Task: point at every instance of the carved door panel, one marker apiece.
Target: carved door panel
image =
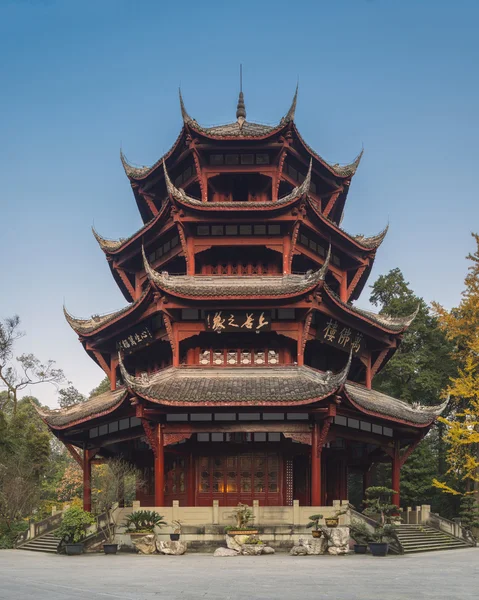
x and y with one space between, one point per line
240 478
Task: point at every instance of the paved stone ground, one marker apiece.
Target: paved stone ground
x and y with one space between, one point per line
447 575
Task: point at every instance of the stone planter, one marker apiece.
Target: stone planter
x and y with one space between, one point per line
379 548
73 549
316 533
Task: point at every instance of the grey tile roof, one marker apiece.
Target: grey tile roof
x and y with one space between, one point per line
94 407
382 405
386 322
180 195
232 286
235 386
87 326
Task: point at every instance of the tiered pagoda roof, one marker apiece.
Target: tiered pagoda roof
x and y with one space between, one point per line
152 288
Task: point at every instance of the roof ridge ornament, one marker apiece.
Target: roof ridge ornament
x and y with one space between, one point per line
373 241
325 267
241 108
106 244
184 113
289 116
132 171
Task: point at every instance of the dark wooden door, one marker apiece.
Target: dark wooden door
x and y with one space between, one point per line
242 477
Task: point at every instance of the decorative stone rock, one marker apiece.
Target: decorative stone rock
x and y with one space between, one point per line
316 546
338 536
171 547
251 549
268 550
225 552
235 542
145 544
338 540
298 551
310 546
337 550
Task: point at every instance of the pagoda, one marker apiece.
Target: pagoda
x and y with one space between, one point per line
241 369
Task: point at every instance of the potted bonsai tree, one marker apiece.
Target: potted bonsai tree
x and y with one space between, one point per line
243 515
314 523
175 536
361 535
73 528
379 506
334 520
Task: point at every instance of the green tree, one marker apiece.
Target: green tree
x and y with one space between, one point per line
420 369
101 388
417 373
24 458
70 396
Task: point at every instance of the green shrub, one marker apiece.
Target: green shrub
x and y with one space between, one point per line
74 525
314 521
143 521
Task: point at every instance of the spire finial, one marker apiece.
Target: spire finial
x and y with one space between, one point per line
289 116
241 109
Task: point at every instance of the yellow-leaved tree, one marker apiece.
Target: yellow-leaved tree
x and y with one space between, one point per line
461 326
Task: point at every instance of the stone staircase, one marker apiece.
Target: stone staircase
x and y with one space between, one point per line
47 542
424 538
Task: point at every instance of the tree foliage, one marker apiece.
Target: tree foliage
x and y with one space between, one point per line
461 327
24 460
417 373
101 388
422 366
24 370
70 396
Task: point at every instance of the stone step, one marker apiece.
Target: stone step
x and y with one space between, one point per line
42 543
431 542
39 549
431 549
47 542
422 538
432 539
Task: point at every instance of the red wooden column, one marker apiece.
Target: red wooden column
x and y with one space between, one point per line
190 482
343 287
396 473
315 467
159 467
319 436
286 254
87 456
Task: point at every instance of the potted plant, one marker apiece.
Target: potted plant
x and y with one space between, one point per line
361 535
334 520
243 515
314 522
175 536
379 506
143 522
73 528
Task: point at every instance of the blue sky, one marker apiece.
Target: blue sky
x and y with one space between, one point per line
81 79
